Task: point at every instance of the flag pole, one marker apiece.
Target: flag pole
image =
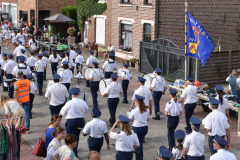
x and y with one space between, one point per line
186 20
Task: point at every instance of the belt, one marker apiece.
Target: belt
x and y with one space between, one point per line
125 151
172 116
74 119
55 62
157 91
94 137
109 72
9 73
125 80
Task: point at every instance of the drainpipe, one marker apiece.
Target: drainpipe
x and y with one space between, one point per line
36 19
158 11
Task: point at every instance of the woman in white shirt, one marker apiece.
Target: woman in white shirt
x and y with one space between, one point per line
69 60
13 110
54 58
14 41
34 44
21 37
139 116
66 75
173 110
56 143
178 150
7 34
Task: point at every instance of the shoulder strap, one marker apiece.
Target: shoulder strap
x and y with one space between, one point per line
79 108
44 132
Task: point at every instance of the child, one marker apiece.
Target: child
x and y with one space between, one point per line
178 150
46 61
24 55
33 90
79 61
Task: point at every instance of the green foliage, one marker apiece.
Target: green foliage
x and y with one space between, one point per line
70 11
88 8
219 68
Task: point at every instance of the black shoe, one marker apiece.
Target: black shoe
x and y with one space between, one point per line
126 102
155 118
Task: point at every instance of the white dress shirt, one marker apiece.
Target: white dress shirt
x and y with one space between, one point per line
57 94
71 110
72 54
9 66
195 143
216 121
90 60
40 66
33 87
222 107
222 154
125 143
66 76
54 60
2 63
158 83
126 74
139 119
173 108
25 71
113 90
70 62
189 94
31 61
95 128
45 60
177 154
111 48
109 65
96 74
17 50
145 92
79 59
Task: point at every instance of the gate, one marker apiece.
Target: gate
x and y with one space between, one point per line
167 56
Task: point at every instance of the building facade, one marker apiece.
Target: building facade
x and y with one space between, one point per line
10 6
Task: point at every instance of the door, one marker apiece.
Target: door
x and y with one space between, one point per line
100 31
86 32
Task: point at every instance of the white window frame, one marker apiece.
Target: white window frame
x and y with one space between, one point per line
86 30
102 17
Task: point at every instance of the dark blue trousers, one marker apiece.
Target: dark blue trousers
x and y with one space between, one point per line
210 143
78 65
10 92
56 109
94 88
44 75
40 81
141 133
31 68
107 74
87 83
54 67
2 74
72 69
95 144
67 85
125 88
31 98
189 108
172 125
124 155
156 100
196 158
112 106
72 126
17 58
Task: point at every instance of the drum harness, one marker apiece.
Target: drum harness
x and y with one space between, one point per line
126 72
112 85
25 67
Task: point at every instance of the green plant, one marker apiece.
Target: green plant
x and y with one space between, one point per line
218 65
218 43
133 60
71 30
88 8
70 11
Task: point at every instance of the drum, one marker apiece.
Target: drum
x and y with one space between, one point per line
87 72
59 70
149 78
50 83
119 72
103 85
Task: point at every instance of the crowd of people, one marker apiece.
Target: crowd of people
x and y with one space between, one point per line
62 143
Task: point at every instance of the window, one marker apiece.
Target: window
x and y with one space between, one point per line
126 35
147 32
127 1
148 2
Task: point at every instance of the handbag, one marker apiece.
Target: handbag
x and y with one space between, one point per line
39 148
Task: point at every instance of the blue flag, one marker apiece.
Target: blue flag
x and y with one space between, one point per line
199 42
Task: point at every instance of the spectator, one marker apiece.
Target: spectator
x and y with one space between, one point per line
94 155
4 25
110 49
31 28
9 23
33 21
78 39
2 19
37 33
232 79
26 24
21 24
51 29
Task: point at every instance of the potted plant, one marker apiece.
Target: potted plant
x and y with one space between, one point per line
71 31
133 60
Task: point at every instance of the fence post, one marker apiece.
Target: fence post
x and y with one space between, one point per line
229 62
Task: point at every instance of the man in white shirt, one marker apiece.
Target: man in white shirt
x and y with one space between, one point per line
73 54
89 64
109 66
17 52
21 67
110 49
57 95
189 97
39 67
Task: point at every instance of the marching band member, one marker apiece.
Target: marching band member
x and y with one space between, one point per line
178 150
17 51
95 129
31 61
158 87
73 54
126 139
173 110
195 142
109 66
140 117
113 91
164 153
21 67
57 95
54 58
66 75
23 51
219 144
74 110
79 60
46 61
21 36
69 60
33 90
189 96
89 62
8 68
3 61
126 75
39 67
216 123
95 77
34 44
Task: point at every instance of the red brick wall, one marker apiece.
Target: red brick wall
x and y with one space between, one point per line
7 1
210 14
92 30
26 5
